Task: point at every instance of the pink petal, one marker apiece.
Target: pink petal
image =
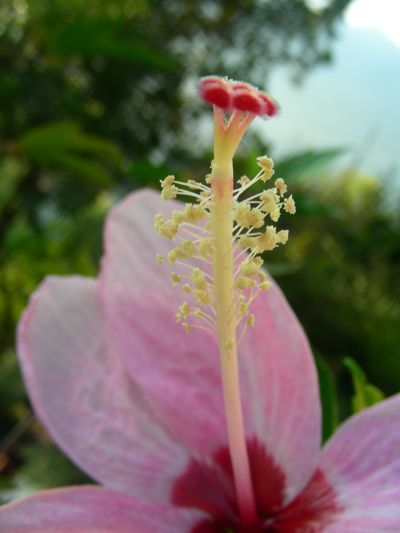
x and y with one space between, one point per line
92 510
83 396
280 389
362 463
177 372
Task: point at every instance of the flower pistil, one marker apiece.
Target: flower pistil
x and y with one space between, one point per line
218 238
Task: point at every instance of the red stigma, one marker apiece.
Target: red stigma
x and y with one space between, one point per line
230 95
247 101
271 107
215 91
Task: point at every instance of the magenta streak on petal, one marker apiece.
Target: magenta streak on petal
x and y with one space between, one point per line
209 487
268 479
313 509
208 526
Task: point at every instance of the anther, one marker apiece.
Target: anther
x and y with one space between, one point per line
289 206
267 165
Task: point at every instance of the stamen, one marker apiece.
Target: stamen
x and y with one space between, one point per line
289 205
218 238
191 227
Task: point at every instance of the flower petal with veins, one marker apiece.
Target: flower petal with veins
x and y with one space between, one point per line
178 373
81 392
92 510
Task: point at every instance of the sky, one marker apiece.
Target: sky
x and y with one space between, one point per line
383 15
354 102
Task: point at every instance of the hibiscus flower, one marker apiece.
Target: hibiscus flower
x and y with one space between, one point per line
178 442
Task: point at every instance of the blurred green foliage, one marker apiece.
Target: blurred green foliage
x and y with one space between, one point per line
365 394
329 399
97 99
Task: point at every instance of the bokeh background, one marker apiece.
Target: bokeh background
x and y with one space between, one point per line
98 98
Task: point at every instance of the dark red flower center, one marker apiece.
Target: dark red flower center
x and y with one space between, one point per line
209 486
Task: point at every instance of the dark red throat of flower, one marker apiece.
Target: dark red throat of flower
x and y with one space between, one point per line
210 487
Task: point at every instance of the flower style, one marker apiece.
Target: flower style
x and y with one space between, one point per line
138 403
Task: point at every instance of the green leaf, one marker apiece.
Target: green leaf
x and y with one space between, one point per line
280 268
44 467
11 386
306 164
330 411
309 205
64 145
11 173
147 173
89 170
102 37
365 394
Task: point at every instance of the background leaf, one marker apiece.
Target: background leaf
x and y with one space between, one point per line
330 410
65 145
99 36
365 394
307 165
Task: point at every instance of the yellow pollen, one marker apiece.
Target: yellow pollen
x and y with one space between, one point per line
252 268
185 249
245 282
243 308
205 247
194 213
183 312
199 279
202 297
281 186
247 242
283 236
265 285
289 205
268 240
166 228
267 165
175 278
177 217
269 200
190 228
169 192
186 288
168 181
244 180
172 256
247 217
275 213
251 320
